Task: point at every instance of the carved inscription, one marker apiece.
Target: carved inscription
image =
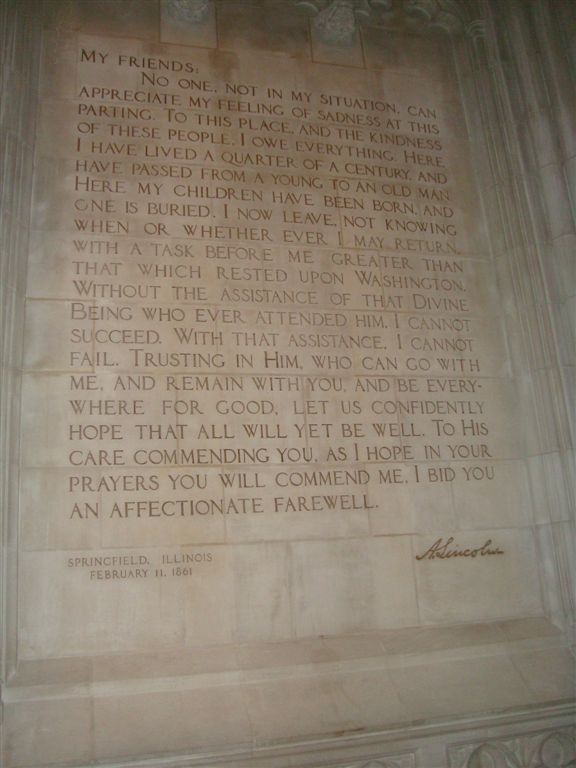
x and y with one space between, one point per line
271 306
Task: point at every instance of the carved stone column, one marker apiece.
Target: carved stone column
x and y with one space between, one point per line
20 46
529 217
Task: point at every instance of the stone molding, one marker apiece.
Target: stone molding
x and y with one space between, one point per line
546 742
388 761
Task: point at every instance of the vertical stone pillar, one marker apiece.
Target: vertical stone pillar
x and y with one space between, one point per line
511 88
20 46
557 72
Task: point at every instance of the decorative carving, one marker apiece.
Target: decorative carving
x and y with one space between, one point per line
336 21
558 750
476 29
446 15
187 11
550 749
493 755
391 761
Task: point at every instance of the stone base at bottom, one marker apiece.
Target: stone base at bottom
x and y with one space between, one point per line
497 695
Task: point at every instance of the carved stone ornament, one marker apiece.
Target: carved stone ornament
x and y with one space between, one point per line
445 15
187 11
552 749
336 21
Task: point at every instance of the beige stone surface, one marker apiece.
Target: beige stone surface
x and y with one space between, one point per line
271 358
167 703
301 544
472 587
38 731
462 686
344 587
168 723
547 675
396 51
268 26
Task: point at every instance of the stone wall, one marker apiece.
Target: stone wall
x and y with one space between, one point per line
346 639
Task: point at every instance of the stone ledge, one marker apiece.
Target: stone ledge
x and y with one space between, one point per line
229 705
392 648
